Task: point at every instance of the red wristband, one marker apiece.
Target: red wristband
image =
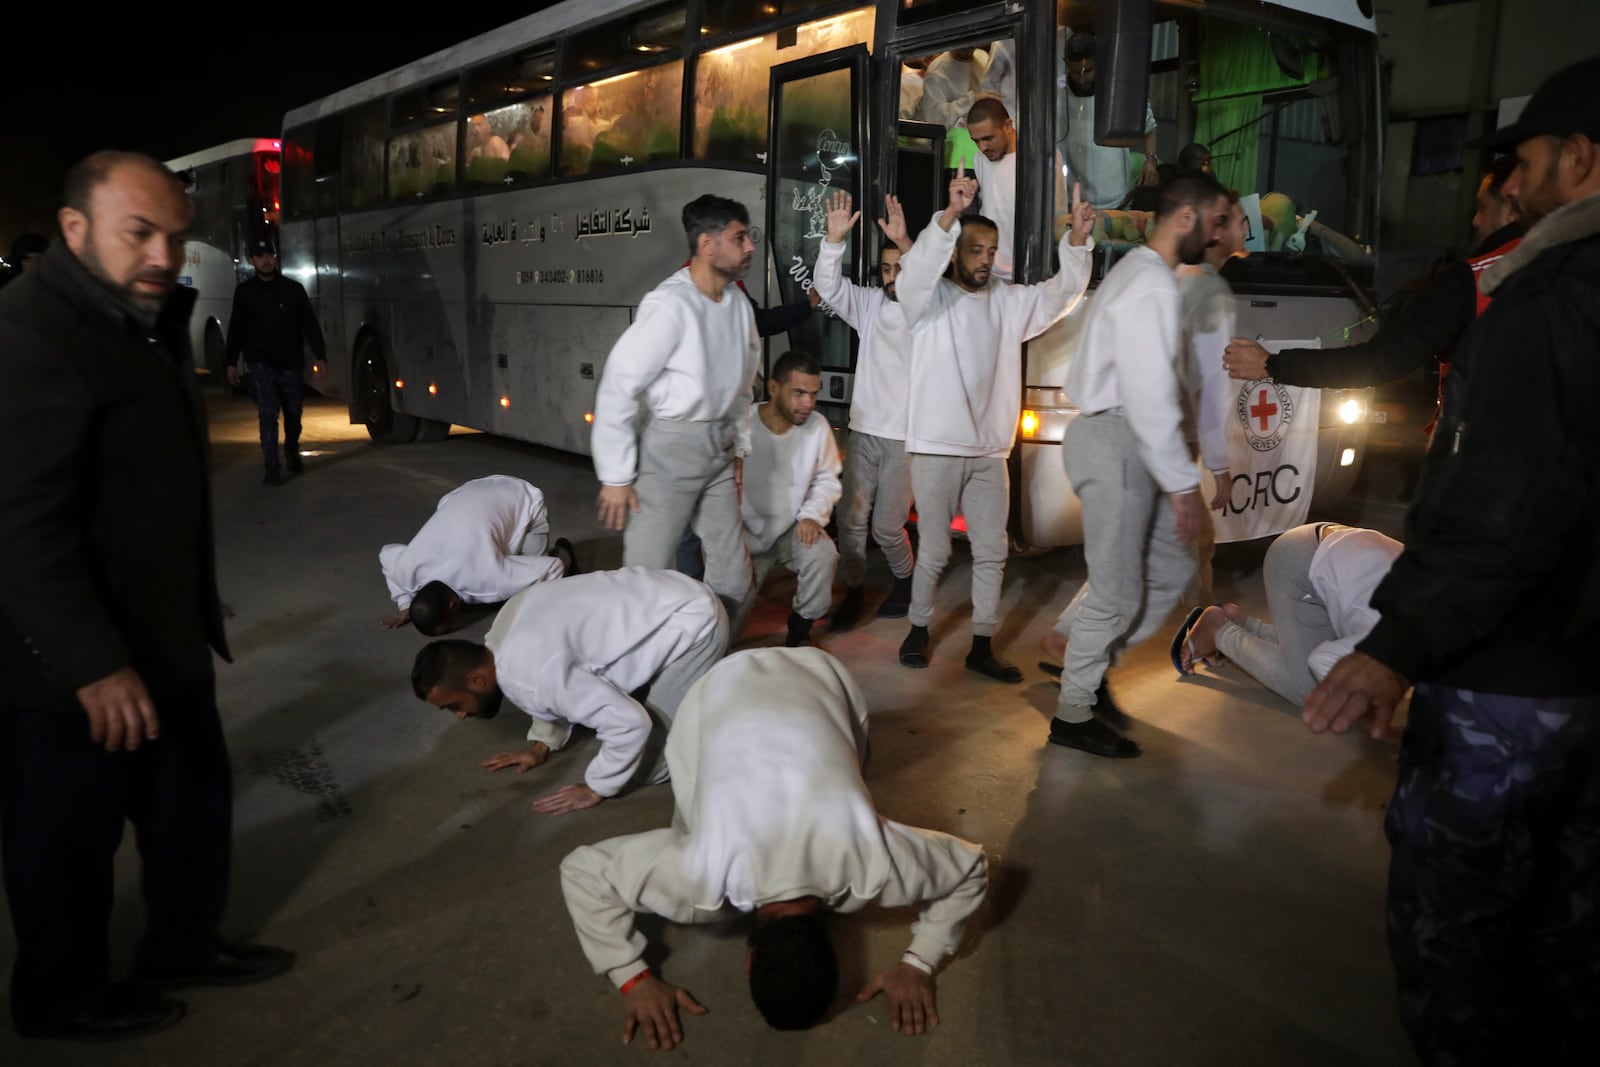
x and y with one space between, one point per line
635 980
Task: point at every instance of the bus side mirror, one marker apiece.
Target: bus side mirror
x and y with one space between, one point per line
1122 73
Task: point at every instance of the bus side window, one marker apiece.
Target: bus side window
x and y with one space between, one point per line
620 122
364 129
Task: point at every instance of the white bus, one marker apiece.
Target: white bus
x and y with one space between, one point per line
235 192
476 228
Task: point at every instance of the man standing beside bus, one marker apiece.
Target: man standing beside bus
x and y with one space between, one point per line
877 471
967 332
1128 460
689 360
271 323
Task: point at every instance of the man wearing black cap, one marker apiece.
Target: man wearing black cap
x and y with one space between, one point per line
272 322
1493 609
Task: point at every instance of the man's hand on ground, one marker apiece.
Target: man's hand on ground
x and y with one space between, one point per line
567 799
397 620
522 761
652 1006
910 993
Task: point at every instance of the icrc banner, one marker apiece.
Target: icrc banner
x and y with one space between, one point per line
1272 444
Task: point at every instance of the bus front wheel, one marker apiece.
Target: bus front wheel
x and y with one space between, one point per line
385 425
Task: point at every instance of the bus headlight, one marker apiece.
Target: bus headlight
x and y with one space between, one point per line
1351 411
1030 424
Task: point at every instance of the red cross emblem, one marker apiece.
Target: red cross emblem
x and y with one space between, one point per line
1263 410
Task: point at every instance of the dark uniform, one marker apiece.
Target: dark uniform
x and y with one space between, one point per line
271 323
106 562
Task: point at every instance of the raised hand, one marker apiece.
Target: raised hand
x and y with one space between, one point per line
839 216
963 191
894 226
1082 216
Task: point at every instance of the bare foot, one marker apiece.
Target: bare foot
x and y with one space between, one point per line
1053 644
1202 642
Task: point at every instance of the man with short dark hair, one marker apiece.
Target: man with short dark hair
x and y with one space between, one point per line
1493 610
1128 460
612 650
995 166
967 331
688 360
108 603
791 485
877 471
772 819
484 543
271 324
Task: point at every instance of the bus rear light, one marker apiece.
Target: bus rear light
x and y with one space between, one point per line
505 401
1030 424
433 390
399 383
316 368
588 416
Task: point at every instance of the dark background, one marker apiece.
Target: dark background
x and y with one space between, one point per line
170 80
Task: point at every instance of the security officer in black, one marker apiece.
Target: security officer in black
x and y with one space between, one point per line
271 324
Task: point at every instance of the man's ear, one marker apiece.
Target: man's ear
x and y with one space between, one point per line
74 227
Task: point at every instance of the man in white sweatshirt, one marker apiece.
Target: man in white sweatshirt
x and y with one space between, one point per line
966 395
1319 579
791 485
877 471
772 818
1127 457
613 650
995 166
484 543
689 360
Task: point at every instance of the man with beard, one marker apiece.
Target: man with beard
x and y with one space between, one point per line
967 331
791 486
271 323
1103 170
995 166
613 650
689 360
1127 457
108 706
877 471
1493 610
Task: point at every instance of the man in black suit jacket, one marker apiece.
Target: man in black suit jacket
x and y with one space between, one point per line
108 601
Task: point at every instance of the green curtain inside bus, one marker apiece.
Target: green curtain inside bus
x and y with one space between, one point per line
1236 68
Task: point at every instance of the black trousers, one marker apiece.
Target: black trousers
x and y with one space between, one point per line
63 803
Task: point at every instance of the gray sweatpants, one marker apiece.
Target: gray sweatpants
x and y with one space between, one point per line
877 487
979 489
686 479
813 566
1275 653
1137 566
667 690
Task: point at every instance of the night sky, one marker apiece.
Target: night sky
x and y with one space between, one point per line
155 81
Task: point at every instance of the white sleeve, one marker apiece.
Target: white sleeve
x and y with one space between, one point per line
1325 655
1211 418
620 722
555 733
634 362
538 522
1143 337
744 405
606 883
1149 117
922 267
944 875
397 592
1042 305
825 488
852 303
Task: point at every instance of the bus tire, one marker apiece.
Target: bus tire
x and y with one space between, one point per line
384 424
432 431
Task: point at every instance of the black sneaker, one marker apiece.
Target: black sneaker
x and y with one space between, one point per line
1093 737
568 556
914 649
122 1011
992 666
799 631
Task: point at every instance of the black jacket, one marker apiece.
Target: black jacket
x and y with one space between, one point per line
1427 327
271 323
106 552
1498 589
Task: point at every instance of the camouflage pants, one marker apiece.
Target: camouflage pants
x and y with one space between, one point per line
274 389
1494 882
